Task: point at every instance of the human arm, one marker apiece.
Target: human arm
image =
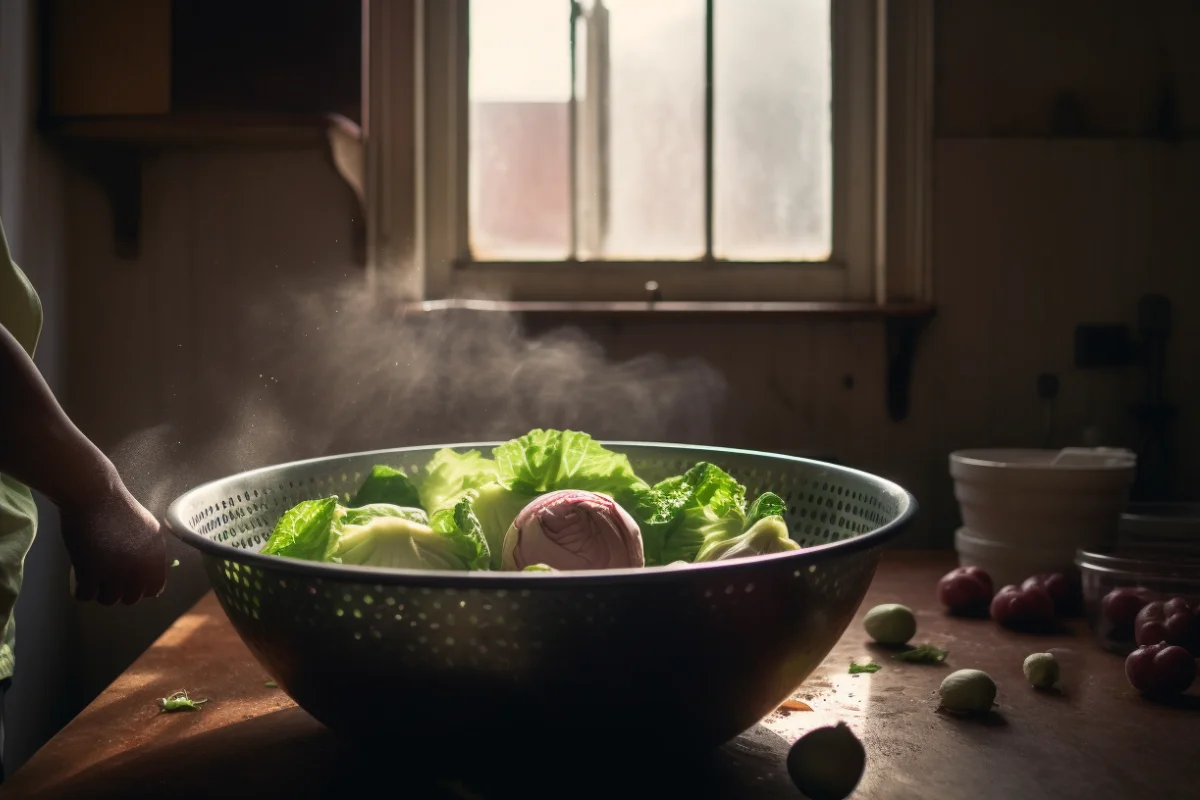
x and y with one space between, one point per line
116 545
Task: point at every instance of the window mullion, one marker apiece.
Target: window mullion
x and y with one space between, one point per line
573 133
591 195
708 129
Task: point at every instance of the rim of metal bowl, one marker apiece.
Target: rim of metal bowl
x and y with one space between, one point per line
339 572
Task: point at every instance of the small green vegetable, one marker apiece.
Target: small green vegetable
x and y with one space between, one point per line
923 654
870 666
680 516
890 623
386 485
768 535
827 763
539 568
271 685
448 474
768 504
304 530
968 691
1041 669
180 702
175 563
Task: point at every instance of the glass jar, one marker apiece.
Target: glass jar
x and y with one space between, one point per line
1118 582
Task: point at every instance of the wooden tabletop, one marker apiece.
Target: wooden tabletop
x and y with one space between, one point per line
1098 738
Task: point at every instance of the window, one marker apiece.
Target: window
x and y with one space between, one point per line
699 150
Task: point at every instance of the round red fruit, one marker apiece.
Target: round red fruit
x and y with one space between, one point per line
965 589
1022 606
1160 670
1173 622
1061 589
1121 606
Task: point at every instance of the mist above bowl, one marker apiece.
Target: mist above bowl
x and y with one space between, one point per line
500 656
1023 497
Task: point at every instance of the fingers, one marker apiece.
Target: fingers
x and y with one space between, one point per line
110 592
149 582
85 587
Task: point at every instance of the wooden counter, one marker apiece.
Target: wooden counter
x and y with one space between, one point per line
1098 739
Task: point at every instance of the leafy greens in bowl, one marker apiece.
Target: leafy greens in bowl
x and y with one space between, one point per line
561 490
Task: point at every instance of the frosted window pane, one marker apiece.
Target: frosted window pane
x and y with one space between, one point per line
656 134
518 162
772 119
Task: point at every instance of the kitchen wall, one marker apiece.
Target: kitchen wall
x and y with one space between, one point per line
1034 232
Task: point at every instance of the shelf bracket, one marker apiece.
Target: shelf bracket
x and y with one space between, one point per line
117 170
901 335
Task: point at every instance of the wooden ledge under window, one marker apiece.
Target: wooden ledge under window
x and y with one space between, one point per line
665 310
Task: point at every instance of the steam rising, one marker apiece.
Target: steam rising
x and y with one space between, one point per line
349 370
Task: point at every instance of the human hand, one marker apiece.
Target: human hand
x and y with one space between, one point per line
116 548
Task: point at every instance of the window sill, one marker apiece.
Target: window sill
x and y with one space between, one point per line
675 310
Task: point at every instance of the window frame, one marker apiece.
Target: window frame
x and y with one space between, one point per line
416 128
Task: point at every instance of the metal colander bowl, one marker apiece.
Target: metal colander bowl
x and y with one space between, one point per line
421 655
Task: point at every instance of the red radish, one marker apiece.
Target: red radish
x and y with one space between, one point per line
1061 588
1160 670
1023 606
1173 622
965 589
1119 608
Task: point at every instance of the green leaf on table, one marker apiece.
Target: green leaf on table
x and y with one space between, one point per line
923 654
870 666
180 702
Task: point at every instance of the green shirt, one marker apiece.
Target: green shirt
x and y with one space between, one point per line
21 314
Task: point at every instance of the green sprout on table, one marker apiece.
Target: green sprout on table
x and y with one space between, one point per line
870 666
180 702
923 654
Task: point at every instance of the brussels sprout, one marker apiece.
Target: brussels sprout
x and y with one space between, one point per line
827 763
968 690
1041 670
890 623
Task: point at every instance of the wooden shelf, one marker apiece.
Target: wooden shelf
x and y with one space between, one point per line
111 149
200 129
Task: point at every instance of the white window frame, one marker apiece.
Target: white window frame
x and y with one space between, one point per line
416 132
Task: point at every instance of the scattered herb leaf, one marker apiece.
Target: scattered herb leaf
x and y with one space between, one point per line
923 654
181 702
175 563
271 685
870 666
